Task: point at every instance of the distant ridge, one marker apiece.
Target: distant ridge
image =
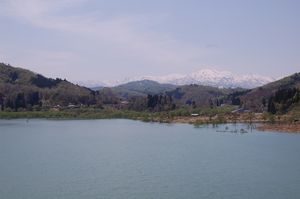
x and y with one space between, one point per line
142 88
24 90
205 77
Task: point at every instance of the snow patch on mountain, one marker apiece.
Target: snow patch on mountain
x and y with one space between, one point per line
207 77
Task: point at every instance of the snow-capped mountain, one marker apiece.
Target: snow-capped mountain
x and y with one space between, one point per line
208 77
217 78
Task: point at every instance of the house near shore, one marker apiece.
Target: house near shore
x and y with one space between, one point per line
71 106
124 102
240 110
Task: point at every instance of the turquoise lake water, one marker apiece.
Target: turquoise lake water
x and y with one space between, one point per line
120 159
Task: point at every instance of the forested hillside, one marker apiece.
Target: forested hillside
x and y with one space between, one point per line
201 96
23 89
274 97
142 88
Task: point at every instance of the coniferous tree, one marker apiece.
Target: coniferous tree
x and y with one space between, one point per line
271 106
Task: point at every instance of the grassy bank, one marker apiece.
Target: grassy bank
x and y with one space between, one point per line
107 113
73 114
269 122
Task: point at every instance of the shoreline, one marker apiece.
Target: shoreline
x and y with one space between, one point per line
263 124
282 128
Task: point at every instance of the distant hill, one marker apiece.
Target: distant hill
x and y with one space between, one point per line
277 97
142 88
206 77
97 88
198 95
24 89
258 99
21 89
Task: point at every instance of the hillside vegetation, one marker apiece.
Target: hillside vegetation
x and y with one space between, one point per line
282 93
23 90
200 96
142 88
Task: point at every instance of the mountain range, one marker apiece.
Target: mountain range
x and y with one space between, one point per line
205 77
21 89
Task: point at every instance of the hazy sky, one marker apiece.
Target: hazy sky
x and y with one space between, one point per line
113 39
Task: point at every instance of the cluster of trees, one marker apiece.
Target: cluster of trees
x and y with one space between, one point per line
1 102
137 103
212 102
43 82
15 97
192 103
234 98
282 100
18 97
106 96
160 103
21 100
177 93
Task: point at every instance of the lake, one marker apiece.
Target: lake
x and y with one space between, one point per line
88 159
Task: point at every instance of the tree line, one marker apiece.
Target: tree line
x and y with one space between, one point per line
282 100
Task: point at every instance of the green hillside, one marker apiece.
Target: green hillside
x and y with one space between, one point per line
280 92
23 89
200 96
141 88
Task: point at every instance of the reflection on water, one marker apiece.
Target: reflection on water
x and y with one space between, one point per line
229 128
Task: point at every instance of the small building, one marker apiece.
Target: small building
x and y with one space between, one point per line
71 106
124 102
56 108
240 110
